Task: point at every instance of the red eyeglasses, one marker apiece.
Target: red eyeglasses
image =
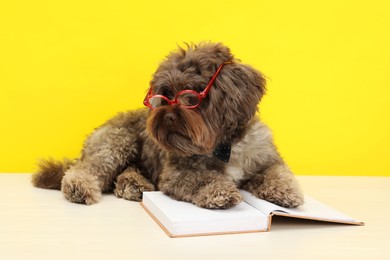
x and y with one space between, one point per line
186 98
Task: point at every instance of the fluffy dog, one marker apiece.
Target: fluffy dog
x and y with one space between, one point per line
198 141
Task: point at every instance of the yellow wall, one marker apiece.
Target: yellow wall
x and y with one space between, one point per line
67 66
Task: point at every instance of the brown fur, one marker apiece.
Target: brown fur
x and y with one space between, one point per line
171 148
56 169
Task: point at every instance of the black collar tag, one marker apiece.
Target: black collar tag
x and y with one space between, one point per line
222 152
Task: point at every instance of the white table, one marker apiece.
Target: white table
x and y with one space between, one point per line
41 224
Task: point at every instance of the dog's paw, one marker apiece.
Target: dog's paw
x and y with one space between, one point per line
280 193
278 186
81 188
218 196
286 198
130 185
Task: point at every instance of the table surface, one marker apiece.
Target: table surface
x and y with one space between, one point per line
41 224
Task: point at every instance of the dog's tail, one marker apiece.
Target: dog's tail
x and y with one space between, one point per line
50 173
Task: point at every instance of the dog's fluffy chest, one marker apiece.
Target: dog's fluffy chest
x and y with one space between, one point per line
249 155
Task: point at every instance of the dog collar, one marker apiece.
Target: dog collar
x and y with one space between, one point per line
222 152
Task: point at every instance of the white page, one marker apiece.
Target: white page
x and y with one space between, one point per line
310 209
186 218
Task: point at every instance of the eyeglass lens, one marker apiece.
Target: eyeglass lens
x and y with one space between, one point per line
184 99
188 99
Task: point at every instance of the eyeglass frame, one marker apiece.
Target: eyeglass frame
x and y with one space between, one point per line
201 95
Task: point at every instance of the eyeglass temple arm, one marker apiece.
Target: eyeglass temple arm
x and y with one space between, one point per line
206 90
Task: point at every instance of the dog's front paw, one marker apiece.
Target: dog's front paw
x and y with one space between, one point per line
130 185
288 198
81 188
277 186
218 196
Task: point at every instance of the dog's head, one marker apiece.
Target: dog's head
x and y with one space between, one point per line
188 119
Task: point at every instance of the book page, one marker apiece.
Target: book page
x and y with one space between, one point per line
311 209
182 218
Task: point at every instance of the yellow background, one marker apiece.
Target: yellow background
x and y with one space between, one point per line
67 66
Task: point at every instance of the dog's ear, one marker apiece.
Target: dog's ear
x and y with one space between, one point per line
250 77
238 90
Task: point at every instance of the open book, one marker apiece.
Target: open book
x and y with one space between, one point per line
180 219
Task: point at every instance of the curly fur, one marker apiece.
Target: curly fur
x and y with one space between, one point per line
171 148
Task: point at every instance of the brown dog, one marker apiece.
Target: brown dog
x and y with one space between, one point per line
199 140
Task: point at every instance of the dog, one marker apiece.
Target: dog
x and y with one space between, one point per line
198 140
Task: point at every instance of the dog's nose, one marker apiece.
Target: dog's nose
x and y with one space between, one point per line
169 118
